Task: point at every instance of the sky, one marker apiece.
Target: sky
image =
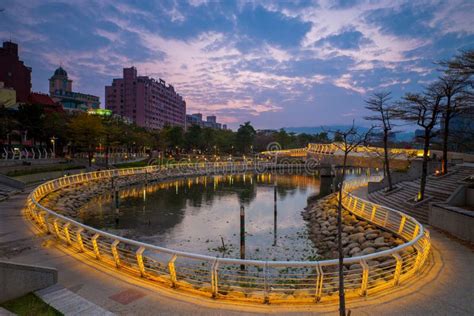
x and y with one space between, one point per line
274 63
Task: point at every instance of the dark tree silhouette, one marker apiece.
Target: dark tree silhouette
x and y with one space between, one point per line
350 139
424 110
384 113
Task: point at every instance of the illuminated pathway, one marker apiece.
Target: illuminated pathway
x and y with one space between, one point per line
443 289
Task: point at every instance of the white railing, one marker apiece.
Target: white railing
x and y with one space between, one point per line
235 279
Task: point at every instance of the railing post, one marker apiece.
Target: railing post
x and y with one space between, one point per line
214 279
42 220
416 231
66 233
362 207
319 283
113 248
372 216
398 269
386 219
402 224
418 259
172 271
266 298
56 227
141 265
95 246
79 239
365 277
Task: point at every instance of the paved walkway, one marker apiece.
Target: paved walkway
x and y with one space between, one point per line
444 289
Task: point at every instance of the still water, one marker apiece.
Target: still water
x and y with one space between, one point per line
202 214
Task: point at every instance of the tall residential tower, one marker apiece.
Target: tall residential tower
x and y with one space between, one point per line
147 102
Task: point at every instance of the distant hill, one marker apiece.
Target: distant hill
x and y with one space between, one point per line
402 136
320 129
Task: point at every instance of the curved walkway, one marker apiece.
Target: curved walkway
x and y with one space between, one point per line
444 288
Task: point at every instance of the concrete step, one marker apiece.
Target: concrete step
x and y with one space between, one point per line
69 303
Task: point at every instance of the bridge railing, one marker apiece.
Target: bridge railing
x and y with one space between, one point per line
235 279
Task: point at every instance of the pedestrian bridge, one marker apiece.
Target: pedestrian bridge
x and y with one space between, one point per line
336 149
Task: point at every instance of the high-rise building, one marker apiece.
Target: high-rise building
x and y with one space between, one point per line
60 89
13 72
148 102
196 119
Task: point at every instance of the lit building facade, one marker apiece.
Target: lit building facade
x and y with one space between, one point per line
7 96
13 72
60 89
148 102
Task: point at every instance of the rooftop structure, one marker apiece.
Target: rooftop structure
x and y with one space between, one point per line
13 71
60 89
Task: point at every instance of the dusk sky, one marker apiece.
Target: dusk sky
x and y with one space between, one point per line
273 63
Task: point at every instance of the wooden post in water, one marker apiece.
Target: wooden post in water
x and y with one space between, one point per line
242 235
116 197
275 214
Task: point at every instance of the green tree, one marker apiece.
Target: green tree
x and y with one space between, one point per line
171 138
283 139
55 125
193 138
245 137
225 140
338 137
8 122
86 132
31 120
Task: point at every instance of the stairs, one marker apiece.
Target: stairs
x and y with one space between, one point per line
439 189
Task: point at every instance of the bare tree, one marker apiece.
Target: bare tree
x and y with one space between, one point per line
462 64
384 113
424 110
455 89
350 139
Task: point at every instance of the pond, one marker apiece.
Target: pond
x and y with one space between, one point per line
202 214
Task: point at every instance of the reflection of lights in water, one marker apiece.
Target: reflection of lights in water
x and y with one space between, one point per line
177 223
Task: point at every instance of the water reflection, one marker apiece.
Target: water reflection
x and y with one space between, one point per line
202 214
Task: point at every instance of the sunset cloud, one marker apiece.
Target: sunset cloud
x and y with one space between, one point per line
273 63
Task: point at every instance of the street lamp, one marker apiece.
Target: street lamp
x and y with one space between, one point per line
53 142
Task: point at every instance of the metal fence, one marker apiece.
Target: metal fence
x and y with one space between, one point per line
235 279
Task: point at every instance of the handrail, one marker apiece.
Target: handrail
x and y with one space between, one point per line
397 222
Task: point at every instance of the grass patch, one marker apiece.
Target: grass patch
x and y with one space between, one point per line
30 305
28 171
134 164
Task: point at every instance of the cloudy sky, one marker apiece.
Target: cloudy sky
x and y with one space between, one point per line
274 63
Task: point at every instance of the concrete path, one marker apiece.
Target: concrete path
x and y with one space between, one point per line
444 289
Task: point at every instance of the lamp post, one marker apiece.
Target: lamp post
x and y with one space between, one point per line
53 142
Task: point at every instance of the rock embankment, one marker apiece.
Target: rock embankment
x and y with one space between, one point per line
359 237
